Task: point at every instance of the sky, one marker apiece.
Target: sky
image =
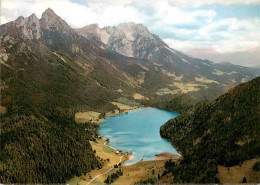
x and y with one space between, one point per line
221 25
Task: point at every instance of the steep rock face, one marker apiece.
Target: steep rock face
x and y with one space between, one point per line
29 27
51 21
132 40
135 40
83 66
94 33
157 69
129 39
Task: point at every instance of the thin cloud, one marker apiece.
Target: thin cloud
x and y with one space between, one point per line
181 27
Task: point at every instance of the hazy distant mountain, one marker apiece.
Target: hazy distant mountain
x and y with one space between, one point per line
249 58
126 57
135 40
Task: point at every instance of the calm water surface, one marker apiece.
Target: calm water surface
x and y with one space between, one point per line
138 132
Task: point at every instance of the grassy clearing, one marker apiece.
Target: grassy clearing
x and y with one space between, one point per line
174 77
205 80
237 173
74 181
140 171
86 116
122 106
164 91
132 173
119 90
105 152
138 96
187 87
2 110
218 72
182 87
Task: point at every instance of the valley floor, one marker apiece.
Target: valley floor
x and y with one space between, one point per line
131 173
145 169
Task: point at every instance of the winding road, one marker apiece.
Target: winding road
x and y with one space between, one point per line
106 171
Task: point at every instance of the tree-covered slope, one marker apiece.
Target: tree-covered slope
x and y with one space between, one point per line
44 150
49 72
225 131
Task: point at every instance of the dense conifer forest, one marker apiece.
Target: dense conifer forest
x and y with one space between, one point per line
225 131
45 149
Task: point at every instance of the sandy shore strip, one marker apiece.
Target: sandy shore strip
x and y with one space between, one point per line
129 164
105 143
166 156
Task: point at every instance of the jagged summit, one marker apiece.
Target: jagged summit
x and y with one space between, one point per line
50 20
33 16
30 26
94 33
92 28
129 39
48 12
132 26
20 18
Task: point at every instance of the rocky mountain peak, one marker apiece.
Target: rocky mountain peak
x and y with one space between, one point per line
20 18
48 13
92 26
133 27
93 32
30 26
33 17
52 21
89 29
129 39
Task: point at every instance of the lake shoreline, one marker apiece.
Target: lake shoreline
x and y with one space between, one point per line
159 156
123 112
106 143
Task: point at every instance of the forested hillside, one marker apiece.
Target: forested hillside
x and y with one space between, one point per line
45 149
49 72
225 131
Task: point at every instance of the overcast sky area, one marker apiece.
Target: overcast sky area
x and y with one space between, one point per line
222 25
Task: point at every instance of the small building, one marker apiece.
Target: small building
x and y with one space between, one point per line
117 152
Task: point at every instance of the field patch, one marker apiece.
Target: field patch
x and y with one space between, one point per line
237 173
140 171
205 80
108 155
87 116
164 91
138 96
3 110
187 87
122 106
180 87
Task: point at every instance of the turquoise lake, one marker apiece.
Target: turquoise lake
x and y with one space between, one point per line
138 132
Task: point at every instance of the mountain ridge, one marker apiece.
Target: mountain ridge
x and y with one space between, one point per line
49 72
248 58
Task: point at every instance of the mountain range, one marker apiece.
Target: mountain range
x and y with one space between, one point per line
249 58
50 71
126 59
187 73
